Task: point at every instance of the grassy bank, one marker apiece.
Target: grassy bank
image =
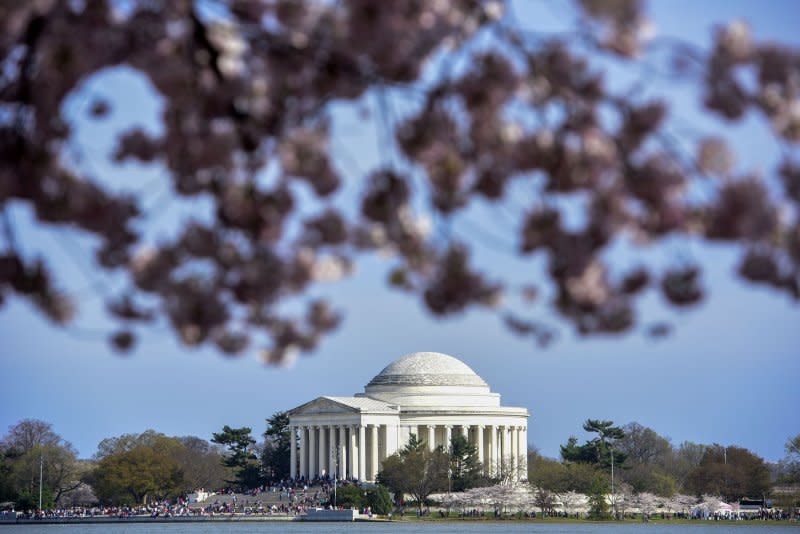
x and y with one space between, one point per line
571 521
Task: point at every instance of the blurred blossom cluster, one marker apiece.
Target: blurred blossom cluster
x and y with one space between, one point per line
250 86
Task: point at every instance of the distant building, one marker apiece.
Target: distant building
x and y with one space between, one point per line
428 394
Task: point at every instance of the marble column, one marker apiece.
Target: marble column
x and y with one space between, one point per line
465 432
303 452
515 452
342 452
403 435
479 442
332 460
322 457
353 452
390 434
312 451
293 452
448 435
506 450
362 452
375 460
431 437
492 450
524 448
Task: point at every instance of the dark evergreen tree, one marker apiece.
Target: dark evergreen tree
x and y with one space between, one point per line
7 492
379 501
276 454
465 468
596 451
414 445
348 496
240 456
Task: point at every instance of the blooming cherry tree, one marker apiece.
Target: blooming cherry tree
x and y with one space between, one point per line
471 104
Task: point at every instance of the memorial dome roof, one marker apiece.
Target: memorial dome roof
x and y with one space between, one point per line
427 369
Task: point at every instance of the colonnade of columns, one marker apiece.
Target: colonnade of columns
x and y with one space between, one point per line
502 449
341 451
356 451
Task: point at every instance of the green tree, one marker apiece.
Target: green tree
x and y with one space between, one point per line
240 458
201 463
7 491
378 500
465 468
649 479
648 457
133 467
607 436
26 500
731 472
546 473
134 475
793 447
572 452
596 496
683 460
126 442
349 496
276 455
598 450
790 466
416 470
581 477
557 477
643 445
31 445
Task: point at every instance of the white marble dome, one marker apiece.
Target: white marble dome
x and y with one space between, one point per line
427 369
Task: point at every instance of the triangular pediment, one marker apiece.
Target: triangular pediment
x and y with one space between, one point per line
322 405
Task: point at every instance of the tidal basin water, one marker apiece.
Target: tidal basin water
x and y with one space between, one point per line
401 528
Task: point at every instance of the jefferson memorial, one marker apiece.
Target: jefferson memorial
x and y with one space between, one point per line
428 394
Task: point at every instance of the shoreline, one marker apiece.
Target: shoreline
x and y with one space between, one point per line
146 519
271 519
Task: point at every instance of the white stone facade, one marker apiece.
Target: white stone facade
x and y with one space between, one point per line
428 394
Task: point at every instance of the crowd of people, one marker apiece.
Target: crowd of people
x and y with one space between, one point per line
287 497
294 497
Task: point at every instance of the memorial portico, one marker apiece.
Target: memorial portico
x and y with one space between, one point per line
431 395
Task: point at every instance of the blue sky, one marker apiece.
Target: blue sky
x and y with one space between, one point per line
728 374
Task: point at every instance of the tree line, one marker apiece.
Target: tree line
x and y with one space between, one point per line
135 468
128 469
629 462
648 463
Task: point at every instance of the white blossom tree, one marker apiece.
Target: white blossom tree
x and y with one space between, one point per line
681 503
708 505
571 500
646 503
622 498
545 500
505 497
